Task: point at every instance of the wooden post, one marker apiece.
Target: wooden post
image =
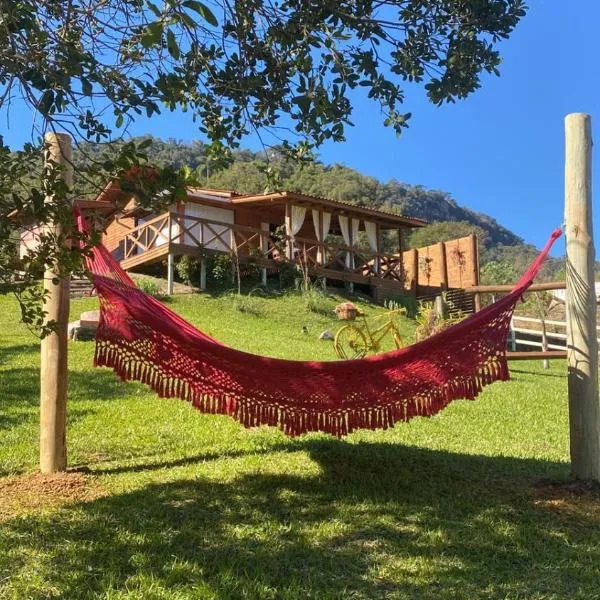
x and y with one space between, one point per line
443 266
377 263
414 262
170 273
203 274
351 260
475 253
289 246
53 365
264 249
582 346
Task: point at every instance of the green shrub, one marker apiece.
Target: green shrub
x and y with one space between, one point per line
148 287
406 301
221 268
314 298
247 303
188 269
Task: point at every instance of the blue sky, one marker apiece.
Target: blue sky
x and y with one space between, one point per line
501 151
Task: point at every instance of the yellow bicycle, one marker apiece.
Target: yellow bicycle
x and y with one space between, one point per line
355 340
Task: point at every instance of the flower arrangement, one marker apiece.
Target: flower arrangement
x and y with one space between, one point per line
347 311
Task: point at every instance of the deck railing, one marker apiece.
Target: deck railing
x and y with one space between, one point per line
173 228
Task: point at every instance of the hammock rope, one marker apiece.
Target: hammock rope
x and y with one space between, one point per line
143 340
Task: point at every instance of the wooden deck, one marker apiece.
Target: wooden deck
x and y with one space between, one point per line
174 234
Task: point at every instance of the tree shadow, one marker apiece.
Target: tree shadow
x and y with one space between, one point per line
20 397
377 521
541 373
10 352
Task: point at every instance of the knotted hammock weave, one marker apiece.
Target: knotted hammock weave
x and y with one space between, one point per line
142 340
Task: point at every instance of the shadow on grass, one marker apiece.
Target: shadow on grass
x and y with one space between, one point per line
10 352
379 521
20 393
541 372
200 458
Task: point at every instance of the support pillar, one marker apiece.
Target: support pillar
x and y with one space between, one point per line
582 346
53 365
170 273
203 274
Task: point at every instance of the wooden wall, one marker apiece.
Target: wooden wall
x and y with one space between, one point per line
446 265
116 231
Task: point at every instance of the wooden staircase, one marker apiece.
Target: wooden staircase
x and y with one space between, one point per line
80 287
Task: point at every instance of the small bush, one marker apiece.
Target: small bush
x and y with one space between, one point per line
430 322
403 301
247 303
148 287
288 275
222 268
314 299
188 269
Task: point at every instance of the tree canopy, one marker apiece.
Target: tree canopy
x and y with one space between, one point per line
282 70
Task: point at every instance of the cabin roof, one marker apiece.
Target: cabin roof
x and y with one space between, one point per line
281 198
112 192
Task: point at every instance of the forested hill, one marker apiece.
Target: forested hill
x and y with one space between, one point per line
337 182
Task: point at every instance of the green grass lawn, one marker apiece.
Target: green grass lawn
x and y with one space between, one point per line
182 505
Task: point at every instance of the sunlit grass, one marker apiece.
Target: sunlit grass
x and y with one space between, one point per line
195 506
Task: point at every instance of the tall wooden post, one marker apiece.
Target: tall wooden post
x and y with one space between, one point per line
414 265
377 262
582 346
170 273
289 244
53 365
443 266
203 273
475 252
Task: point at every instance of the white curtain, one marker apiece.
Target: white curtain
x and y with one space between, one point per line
321 235
298 214
326 224
371 230
345 229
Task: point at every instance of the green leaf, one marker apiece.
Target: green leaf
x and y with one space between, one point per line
152 35
202 10
86 87
46 101
172 45
153 8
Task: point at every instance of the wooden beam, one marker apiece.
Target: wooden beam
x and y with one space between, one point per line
53 365
535 355
502 289
582 346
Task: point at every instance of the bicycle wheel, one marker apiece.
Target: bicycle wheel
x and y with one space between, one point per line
350 342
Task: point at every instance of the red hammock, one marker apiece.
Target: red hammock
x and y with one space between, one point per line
142 340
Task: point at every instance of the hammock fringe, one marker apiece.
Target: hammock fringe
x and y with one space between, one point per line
294 421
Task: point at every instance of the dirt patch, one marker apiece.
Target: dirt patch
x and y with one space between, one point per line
21 494
569 498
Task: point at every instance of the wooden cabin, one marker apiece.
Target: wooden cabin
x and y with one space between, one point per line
335 240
